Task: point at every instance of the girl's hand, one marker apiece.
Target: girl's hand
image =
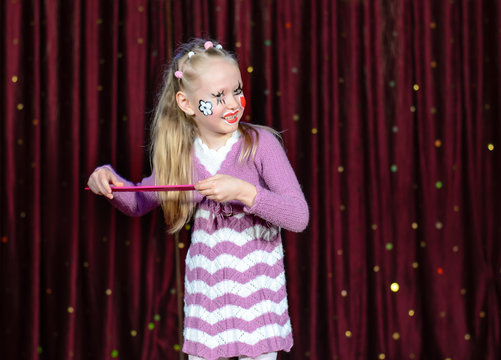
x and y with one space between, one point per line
223 188
100 180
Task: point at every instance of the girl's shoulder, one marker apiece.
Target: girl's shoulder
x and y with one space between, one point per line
263 134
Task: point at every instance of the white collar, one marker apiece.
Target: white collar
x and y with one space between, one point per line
212 159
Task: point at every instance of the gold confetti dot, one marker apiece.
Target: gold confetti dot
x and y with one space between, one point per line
411 312
342 207
48 291
35 122
140 40
433 110
348 333
374 226
395 336
329 275
99 88
15 41
340 252
415 87
238 44
133 333
433 25
415 265
120 55
433 64
125 118
247 117
85 264
438 143
314 131
344 293
70 309
295 117
14 79
467 337
394 287
20 106
413 108
99 21
140 8
463 291
381 356
376 268
22 214
102 61
279 93
187 227
439 225
443 314
250 69
341 80
414 225
340 169
490 147
181 245
108 292
487 106
19 141
422 244
127 243
482 314
412 356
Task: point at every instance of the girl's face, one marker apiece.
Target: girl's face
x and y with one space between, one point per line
217 99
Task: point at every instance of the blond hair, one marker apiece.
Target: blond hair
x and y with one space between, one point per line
173 133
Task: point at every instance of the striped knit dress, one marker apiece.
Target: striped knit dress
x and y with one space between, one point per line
235 291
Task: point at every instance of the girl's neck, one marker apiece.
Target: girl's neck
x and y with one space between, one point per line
215 141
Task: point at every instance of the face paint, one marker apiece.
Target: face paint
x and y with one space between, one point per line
219 98
242 101
231 117
205 107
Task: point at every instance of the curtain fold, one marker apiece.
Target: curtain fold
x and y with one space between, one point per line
389 113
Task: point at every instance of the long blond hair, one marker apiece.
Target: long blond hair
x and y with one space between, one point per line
173 132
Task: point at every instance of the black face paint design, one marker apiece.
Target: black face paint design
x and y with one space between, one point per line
205 107
219 98
238 90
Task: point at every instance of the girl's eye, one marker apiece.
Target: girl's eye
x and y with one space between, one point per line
219 98
238 90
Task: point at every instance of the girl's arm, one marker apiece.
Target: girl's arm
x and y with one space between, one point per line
280 199
130 203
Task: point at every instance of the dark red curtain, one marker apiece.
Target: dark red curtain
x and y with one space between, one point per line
391 117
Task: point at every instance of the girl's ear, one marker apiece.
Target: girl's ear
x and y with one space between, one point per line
184 103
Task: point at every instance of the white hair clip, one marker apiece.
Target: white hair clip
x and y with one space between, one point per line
219 47
190 54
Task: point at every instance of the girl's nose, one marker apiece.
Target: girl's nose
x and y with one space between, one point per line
232 102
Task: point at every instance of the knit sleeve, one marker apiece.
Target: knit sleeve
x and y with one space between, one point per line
280 199
135 203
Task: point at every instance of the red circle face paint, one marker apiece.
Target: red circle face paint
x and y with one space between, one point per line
242 101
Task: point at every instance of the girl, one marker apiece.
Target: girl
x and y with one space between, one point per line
235 295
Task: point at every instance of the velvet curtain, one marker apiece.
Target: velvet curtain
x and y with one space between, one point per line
391 118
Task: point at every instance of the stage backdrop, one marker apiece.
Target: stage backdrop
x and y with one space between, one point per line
390 112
